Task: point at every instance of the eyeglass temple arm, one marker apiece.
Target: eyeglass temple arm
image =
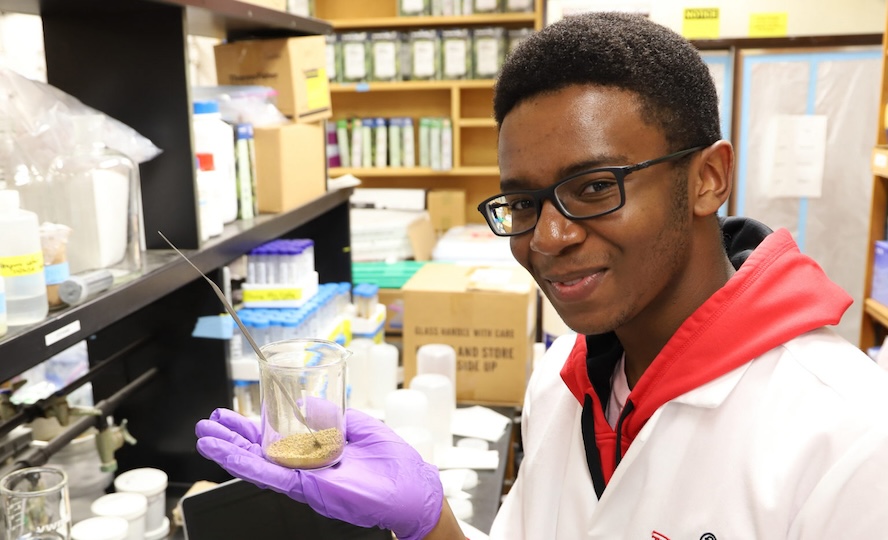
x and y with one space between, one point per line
670 157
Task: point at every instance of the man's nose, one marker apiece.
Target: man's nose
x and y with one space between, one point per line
554 231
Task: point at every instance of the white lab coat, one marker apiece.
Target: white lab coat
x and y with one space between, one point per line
792 445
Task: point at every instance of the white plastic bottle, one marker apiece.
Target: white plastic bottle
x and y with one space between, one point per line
212 135
209 199
21 262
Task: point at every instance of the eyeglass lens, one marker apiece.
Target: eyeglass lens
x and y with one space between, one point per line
583 196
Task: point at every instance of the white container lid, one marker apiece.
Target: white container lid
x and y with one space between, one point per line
161 532
100 528
147 481
126 505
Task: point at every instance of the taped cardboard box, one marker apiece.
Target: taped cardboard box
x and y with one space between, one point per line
487 314
295 67
291 167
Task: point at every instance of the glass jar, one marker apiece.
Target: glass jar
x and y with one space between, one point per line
302 402
95 191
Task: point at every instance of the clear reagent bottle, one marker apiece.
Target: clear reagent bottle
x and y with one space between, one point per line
21 262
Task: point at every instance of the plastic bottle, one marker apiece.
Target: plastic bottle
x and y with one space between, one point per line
246 171
21 262
212 135
209 211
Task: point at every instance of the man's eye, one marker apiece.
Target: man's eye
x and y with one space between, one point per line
521 204
597 186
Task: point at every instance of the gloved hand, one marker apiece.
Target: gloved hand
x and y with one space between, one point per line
381 481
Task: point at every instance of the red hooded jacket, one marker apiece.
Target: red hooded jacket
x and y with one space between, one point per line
777 294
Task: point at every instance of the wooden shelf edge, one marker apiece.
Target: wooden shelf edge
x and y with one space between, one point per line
879 161
408 86
392 172
876 310
476 122
426 22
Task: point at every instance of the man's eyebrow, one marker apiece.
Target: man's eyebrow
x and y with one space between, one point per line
519 183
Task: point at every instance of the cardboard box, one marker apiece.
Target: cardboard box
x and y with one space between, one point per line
291 166
447 208
295 67
487 314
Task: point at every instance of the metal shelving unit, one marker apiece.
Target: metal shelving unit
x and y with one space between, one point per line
129 59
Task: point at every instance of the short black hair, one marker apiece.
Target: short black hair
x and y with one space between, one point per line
619 50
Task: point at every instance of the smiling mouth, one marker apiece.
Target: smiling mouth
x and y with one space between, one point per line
575 288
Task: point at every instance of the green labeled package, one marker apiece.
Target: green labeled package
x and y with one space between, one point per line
456 53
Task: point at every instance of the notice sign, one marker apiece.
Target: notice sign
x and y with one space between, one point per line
701 23
794 155
768 24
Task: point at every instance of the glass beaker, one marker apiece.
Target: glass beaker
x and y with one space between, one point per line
35 504
302 402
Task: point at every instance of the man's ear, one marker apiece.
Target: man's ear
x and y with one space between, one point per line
712 178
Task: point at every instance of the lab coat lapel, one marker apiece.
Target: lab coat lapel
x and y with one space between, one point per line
615 509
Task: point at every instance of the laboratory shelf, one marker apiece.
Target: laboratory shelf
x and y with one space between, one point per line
163 273
409 86
478 19
876 310
392 172
214 18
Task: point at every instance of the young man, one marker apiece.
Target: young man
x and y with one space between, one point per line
700 399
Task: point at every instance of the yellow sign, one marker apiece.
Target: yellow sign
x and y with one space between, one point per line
21 265
318 89
768 24
701 23
271 295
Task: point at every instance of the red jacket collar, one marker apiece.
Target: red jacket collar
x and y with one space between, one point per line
776 295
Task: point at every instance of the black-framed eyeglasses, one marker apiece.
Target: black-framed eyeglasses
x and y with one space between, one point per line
583 195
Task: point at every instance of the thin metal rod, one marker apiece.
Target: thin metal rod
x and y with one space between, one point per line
253 344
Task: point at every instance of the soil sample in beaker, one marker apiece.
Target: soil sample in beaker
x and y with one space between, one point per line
301 451
302 398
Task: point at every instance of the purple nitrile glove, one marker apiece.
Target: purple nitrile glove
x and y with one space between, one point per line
381 481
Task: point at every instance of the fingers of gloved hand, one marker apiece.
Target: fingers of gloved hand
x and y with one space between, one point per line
361 427
237 423
215 430
379 485
257 470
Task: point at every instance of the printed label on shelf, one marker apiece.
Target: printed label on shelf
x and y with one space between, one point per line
57 335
